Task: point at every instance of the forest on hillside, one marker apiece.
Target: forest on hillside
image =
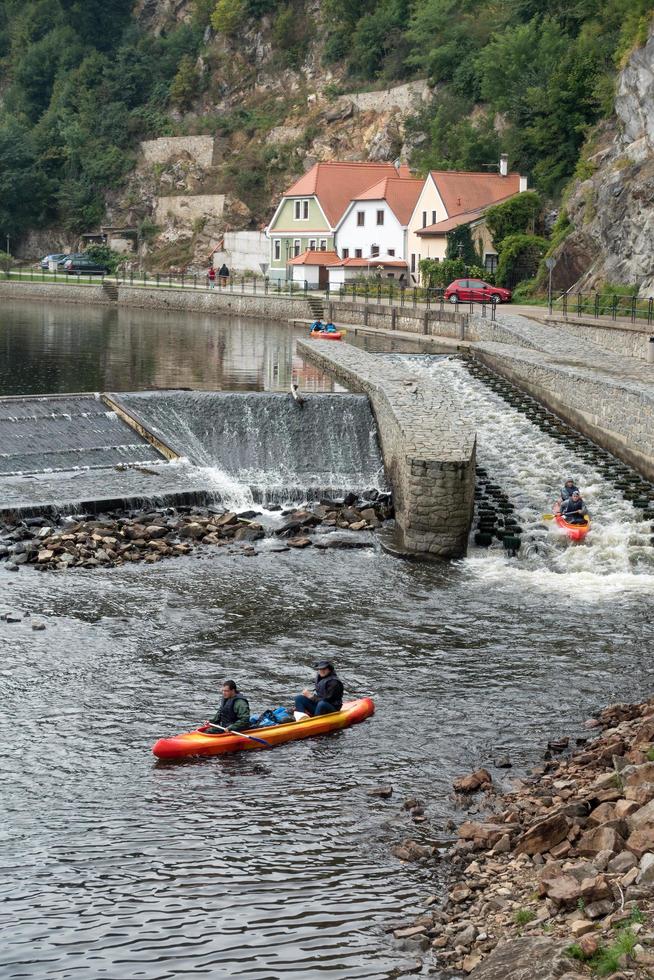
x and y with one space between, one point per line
81 81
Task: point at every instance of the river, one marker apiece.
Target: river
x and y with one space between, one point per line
268 865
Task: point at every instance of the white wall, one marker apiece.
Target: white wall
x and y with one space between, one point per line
244 251
308 273
388 235
429 201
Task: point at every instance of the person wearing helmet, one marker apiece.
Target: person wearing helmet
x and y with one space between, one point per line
327 695
574 510
568 488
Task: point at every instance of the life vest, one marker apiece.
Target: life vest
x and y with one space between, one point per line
226 714
330 689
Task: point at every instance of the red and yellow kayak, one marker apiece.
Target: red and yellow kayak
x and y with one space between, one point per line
200 743
576 532
323 335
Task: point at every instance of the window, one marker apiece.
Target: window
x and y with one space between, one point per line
374 251
413 262
424 219
312 244
305 210
433 217
301 210
346 253
323 244
277 249
297 245
490 262
361 219
380 217
298 210
391 251
358 254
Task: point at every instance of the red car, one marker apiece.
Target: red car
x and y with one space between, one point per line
476 291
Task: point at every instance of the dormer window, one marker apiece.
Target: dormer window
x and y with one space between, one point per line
301 210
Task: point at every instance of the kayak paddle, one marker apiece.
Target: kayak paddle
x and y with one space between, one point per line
252 738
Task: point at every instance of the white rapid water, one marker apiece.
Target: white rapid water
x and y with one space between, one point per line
530 466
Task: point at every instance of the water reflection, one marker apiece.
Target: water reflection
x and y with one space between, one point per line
60 348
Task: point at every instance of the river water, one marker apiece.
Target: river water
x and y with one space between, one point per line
271 865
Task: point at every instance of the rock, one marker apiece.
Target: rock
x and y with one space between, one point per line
486 834
252 533
38 626
589 945
601 813
527 958
471 961
603 838
581 926
470 784
563 890
382 791
503 763
459 894
544 835
637 775
641 841
642 816
466 937
192 530
45 555
358 526
503 845
624 808
597 910
300 542
629 878
225 520
646 871
640 794
155 531
622 862
409 932
558 745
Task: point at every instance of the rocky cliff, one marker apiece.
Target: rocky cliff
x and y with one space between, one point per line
612 209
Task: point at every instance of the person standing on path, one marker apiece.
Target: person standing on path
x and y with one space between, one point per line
211 276
223 272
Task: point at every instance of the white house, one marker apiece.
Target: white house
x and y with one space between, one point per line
374 269
311 268
375 223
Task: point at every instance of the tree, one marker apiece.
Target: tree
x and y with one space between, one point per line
514 216
519 258
461 246
184 86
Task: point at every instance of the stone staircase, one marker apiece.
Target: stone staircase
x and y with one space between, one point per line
317 307
110 290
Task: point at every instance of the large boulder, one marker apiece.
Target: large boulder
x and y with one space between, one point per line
528 958
543 835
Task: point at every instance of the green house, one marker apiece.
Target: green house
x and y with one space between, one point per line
309 211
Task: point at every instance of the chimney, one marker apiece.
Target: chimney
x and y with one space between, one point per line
504 164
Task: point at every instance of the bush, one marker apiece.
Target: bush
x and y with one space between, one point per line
515 216
103 255
435 275
228 16
467 251
520 256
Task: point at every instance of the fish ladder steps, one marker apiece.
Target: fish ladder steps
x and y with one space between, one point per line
110 290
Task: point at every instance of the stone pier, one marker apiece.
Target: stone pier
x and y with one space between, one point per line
428 446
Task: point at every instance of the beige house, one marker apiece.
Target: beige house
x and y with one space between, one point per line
451 198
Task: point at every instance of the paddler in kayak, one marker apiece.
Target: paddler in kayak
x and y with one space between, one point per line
568 488
574 509
317 326
327 695
234 710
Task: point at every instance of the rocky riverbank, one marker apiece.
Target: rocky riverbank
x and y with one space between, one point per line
116 538
557 880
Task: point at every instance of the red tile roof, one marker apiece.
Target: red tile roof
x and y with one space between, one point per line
335 184
311 257
400 193
463 191
372 262
442 227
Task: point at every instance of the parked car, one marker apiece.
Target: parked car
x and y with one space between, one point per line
476 291
69 255
85 266
54 257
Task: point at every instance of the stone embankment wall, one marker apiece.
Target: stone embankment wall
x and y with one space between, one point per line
427 443
420 320
46 292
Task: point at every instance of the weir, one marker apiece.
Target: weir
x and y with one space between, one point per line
74 452
428 444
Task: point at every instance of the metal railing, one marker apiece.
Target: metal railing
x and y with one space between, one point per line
369 293
598 305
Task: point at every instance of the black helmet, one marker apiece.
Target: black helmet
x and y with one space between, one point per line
323 665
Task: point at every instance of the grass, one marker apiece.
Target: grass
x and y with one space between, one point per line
650 754
523 916
607 958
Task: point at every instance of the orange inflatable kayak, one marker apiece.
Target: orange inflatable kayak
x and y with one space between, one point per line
576 532
324 335
200 743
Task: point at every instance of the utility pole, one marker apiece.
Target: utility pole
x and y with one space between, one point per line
550 263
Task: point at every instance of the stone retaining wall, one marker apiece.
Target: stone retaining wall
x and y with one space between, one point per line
58 291
429 322
629 340
427 443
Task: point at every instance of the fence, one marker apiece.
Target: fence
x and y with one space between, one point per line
382 293
598 305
